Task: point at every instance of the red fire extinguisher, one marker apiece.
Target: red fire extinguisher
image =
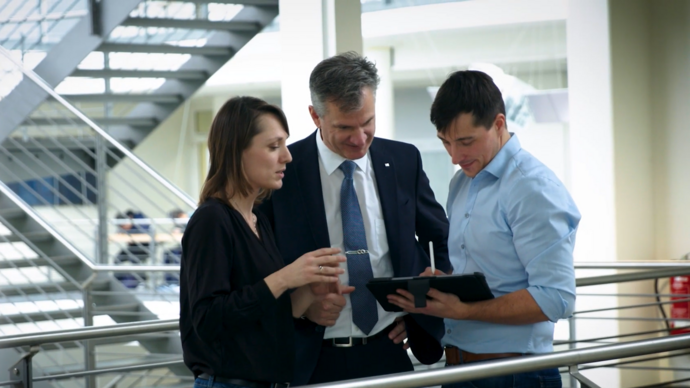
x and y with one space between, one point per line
680 285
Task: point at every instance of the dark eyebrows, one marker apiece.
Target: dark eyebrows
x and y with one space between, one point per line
466 138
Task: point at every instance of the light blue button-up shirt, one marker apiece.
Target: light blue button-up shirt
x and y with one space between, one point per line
516 223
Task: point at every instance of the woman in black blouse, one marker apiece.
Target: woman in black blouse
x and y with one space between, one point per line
235 314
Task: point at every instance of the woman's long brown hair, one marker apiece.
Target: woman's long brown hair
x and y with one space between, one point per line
232 131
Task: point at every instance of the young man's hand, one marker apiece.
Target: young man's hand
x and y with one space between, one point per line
440 305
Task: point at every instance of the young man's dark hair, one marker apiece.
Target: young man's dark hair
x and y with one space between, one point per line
467 91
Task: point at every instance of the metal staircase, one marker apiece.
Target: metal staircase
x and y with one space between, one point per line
66 169
67 276
169 47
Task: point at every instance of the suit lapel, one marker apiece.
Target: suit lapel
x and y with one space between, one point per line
384 171
307 170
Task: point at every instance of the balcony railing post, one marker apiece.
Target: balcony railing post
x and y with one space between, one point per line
102 198
89 351
584 381
21 373
572 337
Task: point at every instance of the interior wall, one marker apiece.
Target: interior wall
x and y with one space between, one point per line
670 79
670 91
172 150
651 87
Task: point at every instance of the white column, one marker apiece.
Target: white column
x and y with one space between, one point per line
343 26
385 113
302 48
592 156
311 30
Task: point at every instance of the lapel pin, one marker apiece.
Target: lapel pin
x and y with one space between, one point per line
387 165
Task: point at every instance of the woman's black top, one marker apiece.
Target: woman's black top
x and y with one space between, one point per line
230 323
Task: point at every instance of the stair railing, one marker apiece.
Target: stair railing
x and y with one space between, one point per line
73 178
79 178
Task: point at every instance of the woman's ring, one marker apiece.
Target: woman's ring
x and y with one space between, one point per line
320 268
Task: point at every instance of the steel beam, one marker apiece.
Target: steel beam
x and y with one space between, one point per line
193 24
110 73
165 49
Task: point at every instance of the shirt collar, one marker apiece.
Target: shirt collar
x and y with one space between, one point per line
331 161
499 163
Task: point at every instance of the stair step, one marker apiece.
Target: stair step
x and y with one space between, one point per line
34 237
130 98
133 121
48 288
61 261
12 213
178 74
41 316
166 49
192 24
115 309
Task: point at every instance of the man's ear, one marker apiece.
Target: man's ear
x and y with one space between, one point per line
500 122
314 116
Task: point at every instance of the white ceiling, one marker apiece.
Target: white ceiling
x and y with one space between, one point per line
526 38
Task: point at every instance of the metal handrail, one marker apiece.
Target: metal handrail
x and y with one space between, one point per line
516 365
401 380
87 333
668 268
634 276
137 268
46 88
632 264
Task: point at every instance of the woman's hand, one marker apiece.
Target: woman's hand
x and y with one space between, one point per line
321 265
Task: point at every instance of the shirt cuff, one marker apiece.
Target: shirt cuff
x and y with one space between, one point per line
551 302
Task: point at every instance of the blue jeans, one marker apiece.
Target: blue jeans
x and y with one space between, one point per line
203 383
547 378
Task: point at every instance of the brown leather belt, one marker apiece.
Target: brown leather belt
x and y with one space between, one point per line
455 356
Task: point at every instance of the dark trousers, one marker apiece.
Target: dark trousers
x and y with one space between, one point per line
377 358
547 378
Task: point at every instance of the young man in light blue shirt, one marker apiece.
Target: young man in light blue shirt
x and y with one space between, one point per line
511 219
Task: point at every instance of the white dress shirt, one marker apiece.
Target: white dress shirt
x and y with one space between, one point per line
377 242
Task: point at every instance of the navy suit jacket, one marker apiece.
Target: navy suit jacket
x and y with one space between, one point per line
298 218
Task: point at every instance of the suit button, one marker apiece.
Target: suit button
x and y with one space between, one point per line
462 246
467 215
448 331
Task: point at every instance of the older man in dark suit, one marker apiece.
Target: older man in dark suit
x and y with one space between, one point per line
370 197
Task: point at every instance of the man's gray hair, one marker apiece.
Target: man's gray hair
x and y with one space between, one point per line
340 80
